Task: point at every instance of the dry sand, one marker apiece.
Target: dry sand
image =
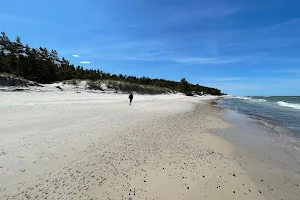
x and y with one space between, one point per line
95 146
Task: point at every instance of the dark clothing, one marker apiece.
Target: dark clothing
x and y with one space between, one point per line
130 98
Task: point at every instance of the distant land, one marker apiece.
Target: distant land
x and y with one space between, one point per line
44 66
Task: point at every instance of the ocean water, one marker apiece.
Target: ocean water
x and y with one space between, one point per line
277 111
270 124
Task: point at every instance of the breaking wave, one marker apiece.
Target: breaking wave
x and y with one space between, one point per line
290 105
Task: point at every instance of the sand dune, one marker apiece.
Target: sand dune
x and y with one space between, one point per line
96 146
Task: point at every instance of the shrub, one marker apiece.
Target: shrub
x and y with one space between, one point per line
132 87
189 94
74 82
93 85
12 80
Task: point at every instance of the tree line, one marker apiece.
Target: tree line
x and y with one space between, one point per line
45 66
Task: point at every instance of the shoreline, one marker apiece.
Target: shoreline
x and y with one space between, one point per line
260 151
98 147
272 111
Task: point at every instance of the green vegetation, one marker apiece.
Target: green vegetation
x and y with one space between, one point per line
121 86
184 86
141 89
44 66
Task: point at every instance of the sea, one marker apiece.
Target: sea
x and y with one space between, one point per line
282 111
270 123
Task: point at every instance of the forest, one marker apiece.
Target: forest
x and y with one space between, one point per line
44 66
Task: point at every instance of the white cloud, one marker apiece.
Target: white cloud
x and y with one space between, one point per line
85 62
75 55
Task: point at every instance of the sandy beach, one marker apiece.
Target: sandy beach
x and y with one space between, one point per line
67 145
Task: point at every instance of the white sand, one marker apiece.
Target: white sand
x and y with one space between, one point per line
67 145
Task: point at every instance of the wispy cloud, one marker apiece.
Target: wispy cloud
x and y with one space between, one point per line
153 54
14 18
287 71
282 25
200 11
226 79
204 60
85 62
75 55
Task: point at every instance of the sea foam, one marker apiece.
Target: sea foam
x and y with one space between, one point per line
290 105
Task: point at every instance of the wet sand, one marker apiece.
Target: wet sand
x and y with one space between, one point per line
267 155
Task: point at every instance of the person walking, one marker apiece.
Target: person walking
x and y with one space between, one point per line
130 98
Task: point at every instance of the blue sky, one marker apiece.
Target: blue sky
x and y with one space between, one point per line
242 47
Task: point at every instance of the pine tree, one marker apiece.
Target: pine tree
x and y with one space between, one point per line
183 86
